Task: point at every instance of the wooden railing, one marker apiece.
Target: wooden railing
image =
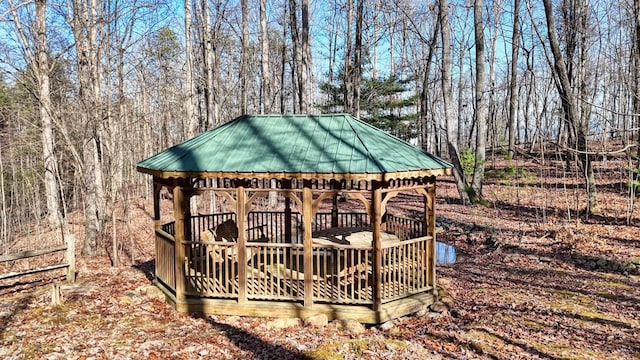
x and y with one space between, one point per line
275 271
342 274
169 228
68 262
165 257
403 227
200 223
404 268
323 220
272 225
211 269
346 274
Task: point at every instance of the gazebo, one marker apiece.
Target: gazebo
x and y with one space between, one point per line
327 244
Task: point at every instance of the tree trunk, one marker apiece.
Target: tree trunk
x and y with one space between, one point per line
244 60
357 66
492 105
481 107
300 42
265 87
87 28
37 57
347 72
4 231
283 66
578 127
208 59
636 78
425 101
52 192
305 65
447 97
513 82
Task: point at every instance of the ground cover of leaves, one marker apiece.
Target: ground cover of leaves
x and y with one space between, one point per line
534 280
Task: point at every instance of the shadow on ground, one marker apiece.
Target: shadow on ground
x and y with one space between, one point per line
260 349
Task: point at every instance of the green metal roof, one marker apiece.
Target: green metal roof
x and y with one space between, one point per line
294 144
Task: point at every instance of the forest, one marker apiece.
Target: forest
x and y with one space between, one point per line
535 103
88 89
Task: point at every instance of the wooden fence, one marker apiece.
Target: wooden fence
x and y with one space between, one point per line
47 260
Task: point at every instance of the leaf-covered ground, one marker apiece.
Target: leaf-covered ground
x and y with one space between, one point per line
534 280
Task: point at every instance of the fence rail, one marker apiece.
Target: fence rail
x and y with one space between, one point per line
67 263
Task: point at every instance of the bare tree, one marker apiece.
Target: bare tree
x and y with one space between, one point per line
481 107
36 52
577 121
305 43
189 99
209 64
88 29
265 86
515 40
426 107
244 60
357 59
347 72
635 66
301 51
447 97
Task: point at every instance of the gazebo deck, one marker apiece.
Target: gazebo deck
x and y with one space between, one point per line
342 273
363 260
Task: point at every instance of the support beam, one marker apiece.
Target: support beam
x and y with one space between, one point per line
286 186
241 200
157 188
430 214
334 212
307 215
182 215
376 218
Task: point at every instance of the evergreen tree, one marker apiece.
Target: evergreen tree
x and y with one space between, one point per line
384 103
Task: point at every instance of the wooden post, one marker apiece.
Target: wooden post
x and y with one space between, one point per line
336 185
70 255
156 204
241 203
286 184
307 214
180 213
334 212
430 213
376 212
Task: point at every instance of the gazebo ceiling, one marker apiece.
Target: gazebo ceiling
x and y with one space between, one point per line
294 146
